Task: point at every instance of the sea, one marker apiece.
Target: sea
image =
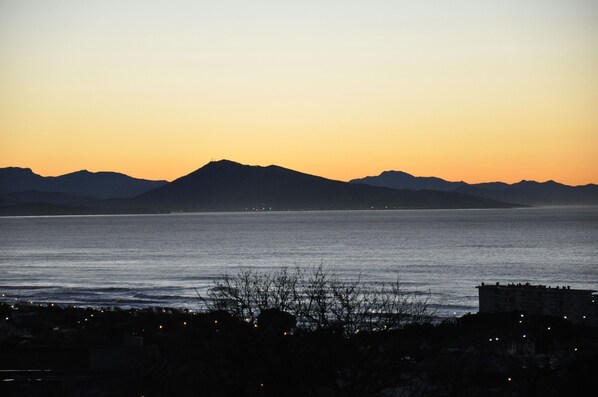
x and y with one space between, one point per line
166 260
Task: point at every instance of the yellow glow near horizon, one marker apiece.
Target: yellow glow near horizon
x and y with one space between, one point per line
475 91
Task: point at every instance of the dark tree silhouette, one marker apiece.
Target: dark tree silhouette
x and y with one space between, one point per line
318 300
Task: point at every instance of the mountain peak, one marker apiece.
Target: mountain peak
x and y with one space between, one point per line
552 182
225 185
222 164
79 183
17 169
527 192
525 182
396 173
404 180
81 172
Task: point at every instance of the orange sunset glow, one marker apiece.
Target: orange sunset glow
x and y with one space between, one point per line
464 90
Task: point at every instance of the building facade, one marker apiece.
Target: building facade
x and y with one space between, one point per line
576 305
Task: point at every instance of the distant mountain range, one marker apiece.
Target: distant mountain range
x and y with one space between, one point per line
524 192
81 183
218 186
403 180
229 186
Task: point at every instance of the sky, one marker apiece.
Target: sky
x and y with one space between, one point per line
464 89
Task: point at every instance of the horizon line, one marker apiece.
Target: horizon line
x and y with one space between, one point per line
212 160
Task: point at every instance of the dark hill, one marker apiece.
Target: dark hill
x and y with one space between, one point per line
36 196
81 183
403 180
524 192
536 193
229 186
16 179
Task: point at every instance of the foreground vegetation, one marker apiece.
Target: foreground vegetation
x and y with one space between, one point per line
303 334
316 300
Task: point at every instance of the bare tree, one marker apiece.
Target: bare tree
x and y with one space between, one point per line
318 300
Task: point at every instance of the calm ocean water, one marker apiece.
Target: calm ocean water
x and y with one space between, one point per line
149 260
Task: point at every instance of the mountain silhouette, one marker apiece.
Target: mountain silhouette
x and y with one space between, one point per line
536 193
81 183
403 180
524 192
228 186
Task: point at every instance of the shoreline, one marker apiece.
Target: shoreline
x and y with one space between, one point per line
255 211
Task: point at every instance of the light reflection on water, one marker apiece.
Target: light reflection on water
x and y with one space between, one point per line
146 260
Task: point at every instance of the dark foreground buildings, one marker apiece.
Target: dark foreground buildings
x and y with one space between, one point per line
576 305
48 351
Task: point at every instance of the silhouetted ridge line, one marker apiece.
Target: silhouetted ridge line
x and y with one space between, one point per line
217 186
229 186
524 192
83 183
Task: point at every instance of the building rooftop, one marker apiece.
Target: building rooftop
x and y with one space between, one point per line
531 286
